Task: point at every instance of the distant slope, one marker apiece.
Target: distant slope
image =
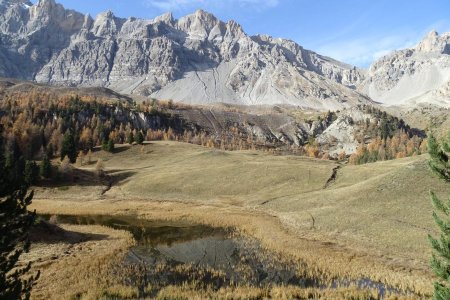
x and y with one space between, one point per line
285 129
412 76
429 118
15 89
196 59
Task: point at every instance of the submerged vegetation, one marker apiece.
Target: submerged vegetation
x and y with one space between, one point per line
176 263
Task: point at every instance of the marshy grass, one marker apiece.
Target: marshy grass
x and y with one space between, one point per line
312 259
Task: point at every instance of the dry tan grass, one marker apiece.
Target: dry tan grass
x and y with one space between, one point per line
185 172
277 292
321 259
371 222
72 267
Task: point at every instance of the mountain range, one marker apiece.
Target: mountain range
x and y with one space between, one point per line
200 59
412 76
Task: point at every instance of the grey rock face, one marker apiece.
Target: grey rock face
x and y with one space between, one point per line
196 59
413 76
31 34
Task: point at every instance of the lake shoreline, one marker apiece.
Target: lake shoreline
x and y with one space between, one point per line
327 262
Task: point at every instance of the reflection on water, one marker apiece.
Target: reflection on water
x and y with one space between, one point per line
145 232
180 252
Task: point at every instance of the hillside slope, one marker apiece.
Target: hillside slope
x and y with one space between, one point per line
373 212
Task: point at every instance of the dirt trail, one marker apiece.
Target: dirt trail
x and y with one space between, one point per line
333 176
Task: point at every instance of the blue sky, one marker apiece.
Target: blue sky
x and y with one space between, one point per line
353 31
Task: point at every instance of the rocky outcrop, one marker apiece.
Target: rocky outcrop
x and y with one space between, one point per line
339 136
413 76
196 59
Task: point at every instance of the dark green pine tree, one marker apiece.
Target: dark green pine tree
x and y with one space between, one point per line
440 261
15 222
130 138
45 168
108 145
139 138
105 144
30 173
439 163
69 147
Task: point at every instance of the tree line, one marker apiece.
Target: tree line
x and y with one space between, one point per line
44 127
389 138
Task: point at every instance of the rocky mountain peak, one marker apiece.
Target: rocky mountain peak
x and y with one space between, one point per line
412 76
46 2
87 23
53 16
12 2
433 42
165 18
234 28
204 15
105 16
196 59
198 25
14 7
106 24
47 6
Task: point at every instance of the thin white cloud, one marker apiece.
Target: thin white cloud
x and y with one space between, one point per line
177 5
171 5
362 52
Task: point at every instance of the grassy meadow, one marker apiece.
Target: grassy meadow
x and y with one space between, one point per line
371 221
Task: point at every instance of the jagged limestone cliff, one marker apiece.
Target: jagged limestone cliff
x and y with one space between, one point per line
413 76
196 59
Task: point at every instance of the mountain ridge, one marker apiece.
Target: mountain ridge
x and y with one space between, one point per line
196 59
412 76
199 59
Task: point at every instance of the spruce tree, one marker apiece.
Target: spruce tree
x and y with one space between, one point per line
69 148
130 138
110 146
45 168
139 138
30 174
105 144
439 163
440 261
15 223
